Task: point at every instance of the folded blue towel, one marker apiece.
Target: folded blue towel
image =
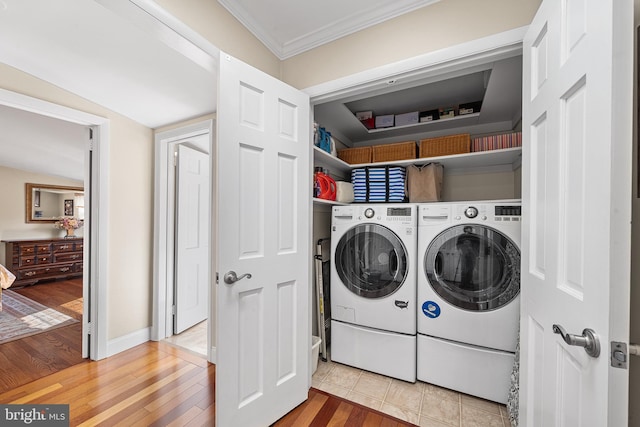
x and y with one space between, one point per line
379 184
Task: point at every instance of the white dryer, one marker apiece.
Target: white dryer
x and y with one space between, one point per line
469 295
373 288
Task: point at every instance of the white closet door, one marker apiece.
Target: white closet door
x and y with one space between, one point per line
264 229
577 125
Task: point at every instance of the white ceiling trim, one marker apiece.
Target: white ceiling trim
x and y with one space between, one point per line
181 37
347 24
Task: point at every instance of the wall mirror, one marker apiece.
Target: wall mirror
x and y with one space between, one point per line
47 203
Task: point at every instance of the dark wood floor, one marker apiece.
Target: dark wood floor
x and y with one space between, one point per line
157 384
30 358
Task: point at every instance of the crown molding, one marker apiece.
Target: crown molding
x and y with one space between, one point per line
346 25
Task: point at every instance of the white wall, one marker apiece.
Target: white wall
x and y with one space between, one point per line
484 186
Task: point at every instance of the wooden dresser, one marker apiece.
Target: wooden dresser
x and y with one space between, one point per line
33 260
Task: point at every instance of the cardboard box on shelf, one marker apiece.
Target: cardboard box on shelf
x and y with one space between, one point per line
363 115
366 118
447 112
469 108
385 121
407 118
428 116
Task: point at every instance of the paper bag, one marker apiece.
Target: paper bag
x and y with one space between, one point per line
424 183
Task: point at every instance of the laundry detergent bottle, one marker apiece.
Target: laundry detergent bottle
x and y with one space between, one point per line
326 186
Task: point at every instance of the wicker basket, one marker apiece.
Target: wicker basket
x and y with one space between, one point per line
393 152
445 145
356 155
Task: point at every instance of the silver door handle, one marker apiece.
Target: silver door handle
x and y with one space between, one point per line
588 340
231 277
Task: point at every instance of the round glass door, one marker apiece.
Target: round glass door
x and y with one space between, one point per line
371 261
473 267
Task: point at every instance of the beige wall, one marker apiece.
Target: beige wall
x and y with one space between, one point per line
212 21
443 24
130 204
13 224
479 186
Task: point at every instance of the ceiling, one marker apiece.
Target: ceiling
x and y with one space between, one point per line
289 28
135 59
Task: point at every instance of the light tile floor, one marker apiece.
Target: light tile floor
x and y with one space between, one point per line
422 404
194 339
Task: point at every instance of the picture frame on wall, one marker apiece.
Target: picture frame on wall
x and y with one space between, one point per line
68 207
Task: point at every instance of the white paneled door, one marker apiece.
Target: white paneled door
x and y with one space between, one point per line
577 125
264 181
192 238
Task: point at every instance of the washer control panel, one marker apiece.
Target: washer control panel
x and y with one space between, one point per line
471 212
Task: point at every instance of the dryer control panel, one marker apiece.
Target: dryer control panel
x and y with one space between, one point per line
487 212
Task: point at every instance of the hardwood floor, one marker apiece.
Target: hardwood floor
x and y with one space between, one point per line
30 358
157 384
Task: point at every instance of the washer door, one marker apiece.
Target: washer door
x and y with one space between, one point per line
473 267
371 261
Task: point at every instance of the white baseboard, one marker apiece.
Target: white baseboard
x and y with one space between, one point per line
126 342
214 355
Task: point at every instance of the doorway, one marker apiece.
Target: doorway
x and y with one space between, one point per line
95 276
169 248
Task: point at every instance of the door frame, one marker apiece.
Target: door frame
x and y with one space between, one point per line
96 170
163 240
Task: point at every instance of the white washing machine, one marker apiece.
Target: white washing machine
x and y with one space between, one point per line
469 295
373 288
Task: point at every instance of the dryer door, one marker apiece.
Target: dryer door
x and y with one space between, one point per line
371 261
473 267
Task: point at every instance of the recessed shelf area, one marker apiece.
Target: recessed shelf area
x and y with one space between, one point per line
457 162
418 126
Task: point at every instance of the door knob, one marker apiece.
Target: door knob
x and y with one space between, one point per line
231 277
588 340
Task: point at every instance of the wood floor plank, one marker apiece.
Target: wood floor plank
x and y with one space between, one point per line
289 419
109 412
171 412
341 416
326 412
37 395
372 420
389 423
357 416
313 405
206 417
135 386
185 418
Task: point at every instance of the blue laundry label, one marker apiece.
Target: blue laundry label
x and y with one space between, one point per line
431 309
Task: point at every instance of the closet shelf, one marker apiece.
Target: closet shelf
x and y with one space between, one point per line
317 201
455 121
458 162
